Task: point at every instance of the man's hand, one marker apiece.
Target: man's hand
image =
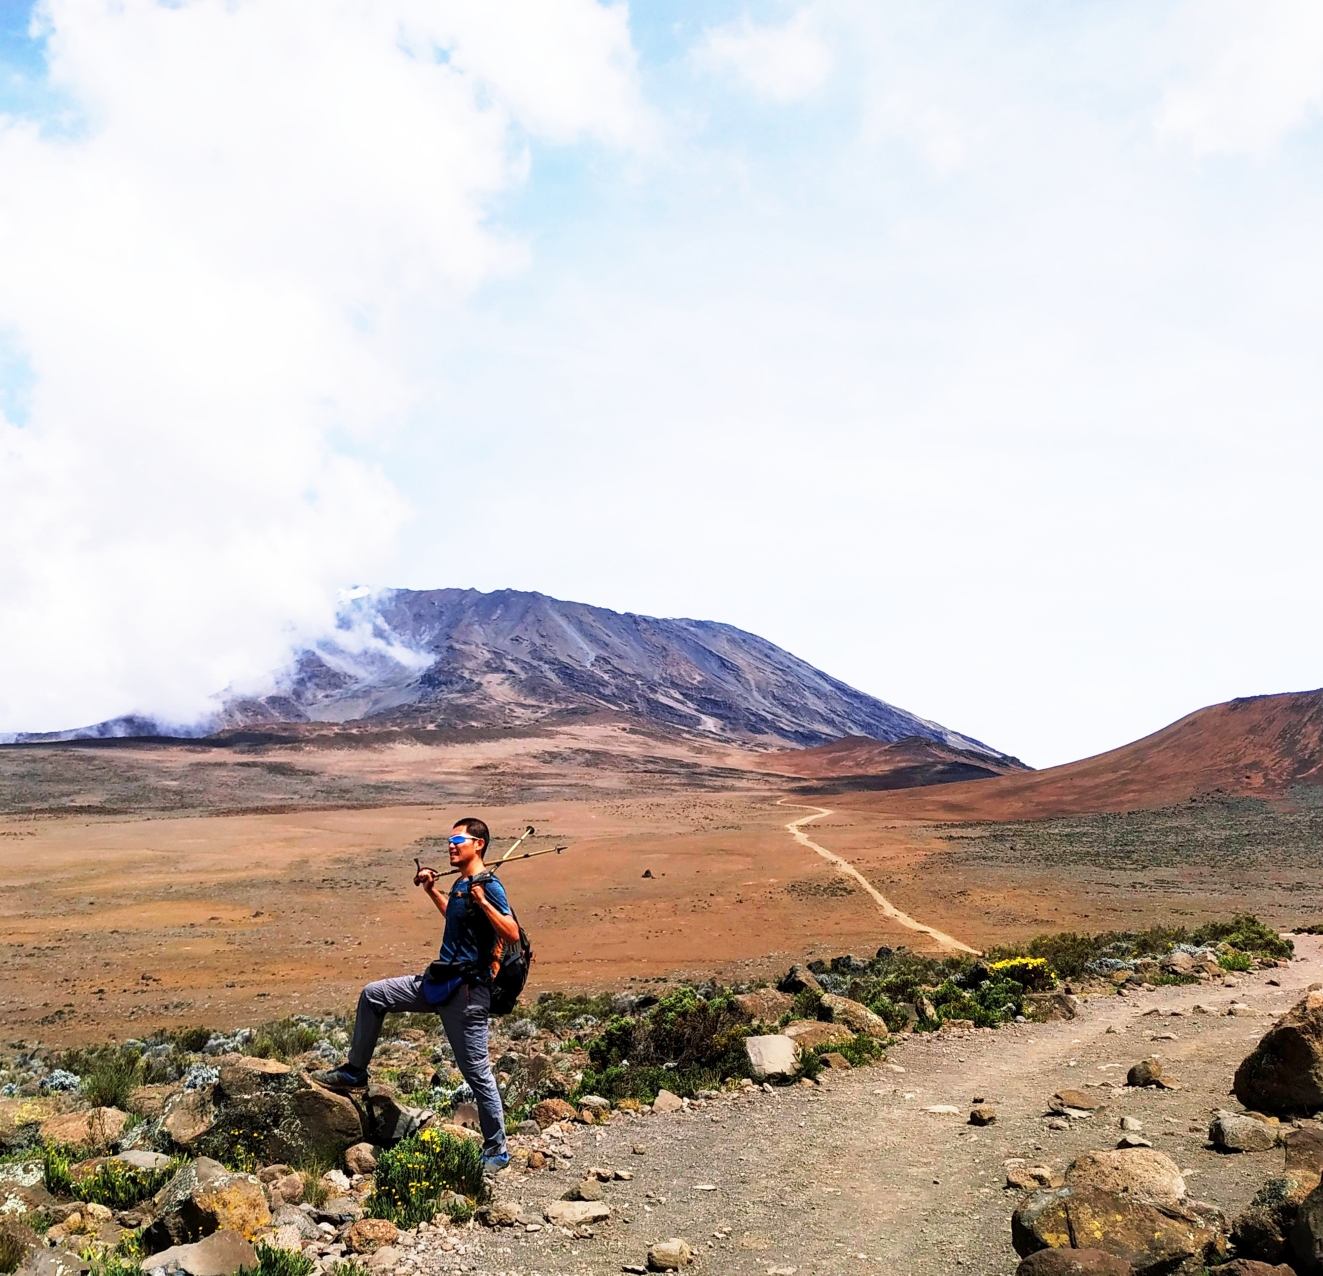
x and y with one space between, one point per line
478 893
426 878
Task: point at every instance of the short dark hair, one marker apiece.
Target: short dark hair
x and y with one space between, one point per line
476 829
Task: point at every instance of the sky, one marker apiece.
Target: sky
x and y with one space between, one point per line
969 351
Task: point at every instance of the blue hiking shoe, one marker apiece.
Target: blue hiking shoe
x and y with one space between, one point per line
341 1079
495 1164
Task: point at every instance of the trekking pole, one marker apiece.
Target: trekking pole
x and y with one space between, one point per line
527 855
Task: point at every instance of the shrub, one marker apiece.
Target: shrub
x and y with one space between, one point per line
858 1051
282 1039
411 1176
1232 960
1245 933
111 1078
190 1039
55 1171
351 1267
272 1261
112 1264
112 1183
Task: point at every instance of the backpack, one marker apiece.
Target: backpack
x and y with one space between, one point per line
509 973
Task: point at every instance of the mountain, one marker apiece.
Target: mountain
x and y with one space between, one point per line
461 658
857 763
1260 746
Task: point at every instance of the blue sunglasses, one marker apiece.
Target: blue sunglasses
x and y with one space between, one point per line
458 839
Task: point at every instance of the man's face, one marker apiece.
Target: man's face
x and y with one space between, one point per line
462 847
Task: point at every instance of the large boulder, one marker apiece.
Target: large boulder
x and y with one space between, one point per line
220 1254
1284 1072
1263 1230
765 1005
91 1128
205 1197
799 979
1073 1262
1236 1132
1306 1253
809 1034
772 1056
1145 1173
855 1016
1156 1239
262 1108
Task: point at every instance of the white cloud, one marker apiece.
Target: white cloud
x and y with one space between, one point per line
780 63
1252 73
243 243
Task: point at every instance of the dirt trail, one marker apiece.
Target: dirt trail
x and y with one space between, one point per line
889 909
855 1176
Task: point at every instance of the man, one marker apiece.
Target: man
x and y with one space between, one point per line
457 986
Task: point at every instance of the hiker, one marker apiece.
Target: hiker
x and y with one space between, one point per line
457 986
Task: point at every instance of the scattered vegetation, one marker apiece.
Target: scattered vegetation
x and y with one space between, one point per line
412 1176
110 1076
112 1264
1232 960
111 1183
272 1261
351 1267
282 1039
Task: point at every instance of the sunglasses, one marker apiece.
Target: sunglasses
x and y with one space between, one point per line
459 839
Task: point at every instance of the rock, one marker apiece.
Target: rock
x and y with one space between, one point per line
772 1056
837 1062
1306 1234
204 1197
1058 1123
141 1159
588 1190
799 979
595 1103
667 1102
1133 1141
337 1210
283 1185
549 1111
334 1183
1131 1123
1248 1267
1284 1072
669 1256
385 1258
576 1213
1146 1072
810 1034
1304 1152
982 1115
466 1114
925 1008
1073 1262
189 1114
1076 1099
765 1005
1029 1178
537 1160
220 1254
1233 1132
95 1127
1139 1172
1177 964
368 1235
299 1220
1263 1230
1045 1007
286 1236
498 1214
855 1016
361 1158
1155 1239
149 1100
48 1262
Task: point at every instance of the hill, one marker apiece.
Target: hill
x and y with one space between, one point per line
858 763
461 659
1260 746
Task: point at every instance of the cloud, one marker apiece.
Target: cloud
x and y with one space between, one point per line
784 63
1251 73
225 269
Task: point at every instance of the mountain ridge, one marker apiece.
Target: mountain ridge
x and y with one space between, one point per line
462 658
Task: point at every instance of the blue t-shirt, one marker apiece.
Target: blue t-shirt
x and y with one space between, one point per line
469 937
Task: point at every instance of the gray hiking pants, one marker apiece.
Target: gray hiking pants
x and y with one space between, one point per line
464 1018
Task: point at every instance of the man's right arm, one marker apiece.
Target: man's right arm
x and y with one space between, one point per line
427 880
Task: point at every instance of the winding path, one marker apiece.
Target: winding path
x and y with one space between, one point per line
889 909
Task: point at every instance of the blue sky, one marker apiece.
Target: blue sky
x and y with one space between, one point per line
967 351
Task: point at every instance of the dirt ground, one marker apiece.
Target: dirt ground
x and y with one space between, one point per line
155 886
857 1177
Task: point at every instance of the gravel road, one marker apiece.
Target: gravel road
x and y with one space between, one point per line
854 1176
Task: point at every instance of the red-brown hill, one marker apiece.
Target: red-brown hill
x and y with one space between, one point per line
859 763
1255 747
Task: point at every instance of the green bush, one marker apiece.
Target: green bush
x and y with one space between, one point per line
351 1267
412 1176
628 1082
859 1051
1247 934
190 1040
282 1039
1232 960
112 1078
272 1261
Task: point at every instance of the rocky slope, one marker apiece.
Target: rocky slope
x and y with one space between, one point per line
463 658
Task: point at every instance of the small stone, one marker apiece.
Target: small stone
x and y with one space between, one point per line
670 1256
529 1129
666 1102
943 1109
576 1213
368 1235
834 1060
1076 1099
537 1160
982 1115
639 1150
1057 1123
1145 1073
498 1214
1133 1141
1233 1132
384 1259
361 1158
1131 1123
588 1190
549 1111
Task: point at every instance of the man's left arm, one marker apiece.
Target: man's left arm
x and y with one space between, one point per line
503 923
